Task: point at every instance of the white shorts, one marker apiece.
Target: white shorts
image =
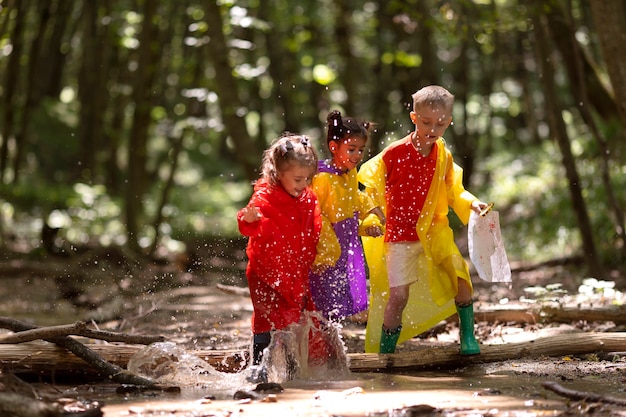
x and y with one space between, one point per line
405 262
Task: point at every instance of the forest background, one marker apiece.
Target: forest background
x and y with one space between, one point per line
141 123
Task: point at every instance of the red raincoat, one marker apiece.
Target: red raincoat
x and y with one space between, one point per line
281 249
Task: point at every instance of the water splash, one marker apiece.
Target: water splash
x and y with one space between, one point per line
311 349
169 364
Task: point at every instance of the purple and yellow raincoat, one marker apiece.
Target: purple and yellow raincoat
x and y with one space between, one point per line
341 290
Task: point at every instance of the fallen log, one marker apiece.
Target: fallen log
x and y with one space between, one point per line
560 314
448 356
43 358
616 314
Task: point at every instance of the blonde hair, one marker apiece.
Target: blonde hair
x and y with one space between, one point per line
433 96
286 150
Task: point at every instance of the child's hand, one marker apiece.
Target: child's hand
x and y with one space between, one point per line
319 269
480 206
377 211
374 231
251 214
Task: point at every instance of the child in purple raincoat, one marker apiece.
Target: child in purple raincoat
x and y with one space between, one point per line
338 279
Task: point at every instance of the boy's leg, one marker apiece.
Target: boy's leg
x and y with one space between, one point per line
389 339
402 263
398 297
465 310
392 322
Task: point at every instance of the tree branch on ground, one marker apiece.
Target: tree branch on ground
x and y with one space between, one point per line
77 329
114 372
582 395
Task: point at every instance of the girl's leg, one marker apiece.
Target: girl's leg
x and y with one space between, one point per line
259 343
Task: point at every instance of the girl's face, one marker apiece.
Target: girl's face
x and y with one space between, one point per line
347 153
430 124
295 178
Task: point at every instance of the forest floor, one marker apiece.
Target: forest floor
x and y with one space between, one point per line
200 302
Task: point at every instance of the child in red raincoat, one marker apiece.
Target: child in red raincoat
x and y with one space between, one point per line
283 223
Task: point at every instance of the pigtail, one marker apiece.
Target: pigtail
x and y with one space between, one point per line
340 128
335 126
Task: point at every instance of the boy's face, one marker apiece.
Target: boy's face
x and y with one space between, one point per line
430 123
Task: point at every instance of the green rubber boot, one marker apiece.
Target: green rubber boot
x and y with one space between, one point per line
389 339
469 345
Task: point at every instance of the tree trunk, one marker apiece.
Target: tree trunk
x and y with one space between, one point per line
32 91
10 90
92 90
53 54
610 20
559 131
226 88
143 85
577 71
282 65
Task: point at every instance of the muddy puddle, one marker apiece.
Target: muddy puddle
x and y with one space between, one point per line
475 391
510 388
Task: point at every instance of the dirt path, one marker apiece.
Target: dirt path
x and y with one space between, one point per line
200 315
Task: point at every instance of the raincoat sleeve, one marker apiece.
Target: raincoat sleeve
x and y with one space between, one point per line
328 249
368 219
458 197
372 176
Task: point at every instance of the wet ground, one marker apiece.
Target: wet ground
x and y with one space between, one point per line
209 316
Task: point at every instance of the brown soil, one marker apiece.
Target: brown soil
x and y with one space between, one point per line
200 302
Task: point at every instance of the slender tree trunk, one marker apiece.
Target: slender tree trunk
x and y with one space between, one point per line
351 68
581 95
559 131
32 88
226 88
92 91
62 23
145 75
176 148
118 103
383 82
10 87
283 65
88 93
610 19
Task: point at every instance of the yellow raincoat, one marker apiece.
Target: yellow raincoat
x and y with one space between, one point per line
431 298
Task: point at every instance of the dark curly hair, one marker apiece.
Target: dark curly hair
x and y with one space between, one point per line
340 128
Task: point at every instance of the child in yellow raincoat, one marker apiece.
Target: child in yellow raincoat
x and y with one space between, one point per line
339 290
422 277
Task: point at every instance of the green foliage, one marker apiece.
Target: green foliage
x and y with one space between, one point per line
290 62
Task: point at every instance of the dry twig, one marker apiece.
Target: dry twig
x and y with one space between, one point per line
582 395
